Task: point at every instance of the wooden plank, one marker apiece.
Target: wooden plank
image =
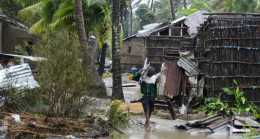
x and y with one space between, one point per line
244 121
170 107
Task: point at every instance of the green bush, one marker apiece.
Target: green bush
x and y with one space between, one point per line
19 100
242 105
215 105
66 86
250 135
117 117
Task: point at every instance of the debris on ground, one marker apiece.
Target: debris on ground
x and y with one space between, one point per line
245 122
221 124
39 126
183 127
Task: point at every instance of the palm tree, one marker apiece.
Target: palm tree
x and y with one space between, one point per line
162 11
80 23
117 91
245 5
184 4
104 37
201 5
172 9
221 5
68 16
60 15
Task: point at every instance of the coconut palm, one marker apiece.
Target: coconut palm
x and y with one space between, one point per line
162 11
60 15
245 5
94 11
221 5
172 9
104 34
80 26
68 15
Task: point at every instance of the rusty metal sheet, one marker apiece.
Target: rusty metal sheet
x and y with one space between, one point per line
170 79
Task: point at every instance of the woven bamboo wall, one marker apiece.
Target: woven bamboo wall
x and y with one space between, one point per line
158 47
230 49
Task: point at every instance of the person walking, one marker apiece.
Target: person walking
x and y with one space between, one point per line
149 91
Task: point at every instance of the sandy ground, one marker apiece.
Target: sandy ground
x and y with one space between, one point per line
130 94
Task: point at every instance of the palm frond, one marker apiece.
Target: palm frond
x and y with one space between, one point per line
38 27
31 10
25 3
49 9
68 7
63 22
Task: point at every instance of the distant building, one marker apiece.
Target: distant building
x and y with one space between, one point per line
160 40
13 33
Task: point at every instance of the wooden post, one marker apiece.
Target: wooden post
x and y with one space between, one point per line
181 29
170 107
1 41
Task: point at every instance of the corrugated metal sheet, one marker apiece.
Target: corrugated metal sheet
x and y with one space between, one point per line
170 79
151 28
188 66
19 77
148 29
33 58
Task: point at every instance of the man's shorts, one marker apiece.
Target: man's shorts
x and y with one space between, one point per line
148 103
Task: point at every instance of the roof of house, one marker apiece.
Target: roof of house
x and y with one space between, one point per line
9 21
192 21
151 28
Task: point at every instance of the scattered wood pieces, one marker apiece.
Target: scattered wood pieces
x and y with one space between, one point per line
40 126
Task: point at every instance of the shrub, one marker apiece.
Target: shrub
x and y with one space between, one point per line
66 86
242 105
214 105
19 100
117 117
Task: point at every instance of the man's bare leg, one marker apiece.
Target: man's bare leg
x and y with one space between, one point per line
147 116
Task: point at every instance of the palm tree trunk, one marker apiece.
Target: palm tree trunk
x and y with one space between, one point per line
86 57
102 60
122 13
184 4
151 6
117 91
80 23
131 19
172 9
